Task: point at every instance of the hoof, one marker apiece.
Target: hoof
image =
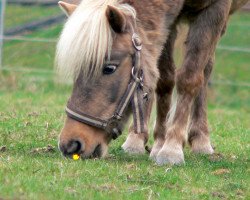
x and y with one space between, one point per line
205 149
202 147
134 144
171 156
156 148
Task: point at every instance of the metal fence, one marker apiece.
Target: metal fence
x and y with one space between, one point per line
2 14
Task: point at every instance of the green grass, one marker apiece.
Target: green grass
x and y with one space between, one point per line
37 55
237 31
15 15
31 116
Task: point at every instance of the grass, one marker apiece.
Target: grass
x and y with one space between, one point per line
27 14
31 115
37 55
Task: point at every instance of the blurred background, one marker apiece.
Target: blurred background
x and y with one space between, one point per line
30 29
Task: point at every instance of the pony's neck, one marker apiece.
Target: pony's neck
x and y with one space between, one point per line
151 21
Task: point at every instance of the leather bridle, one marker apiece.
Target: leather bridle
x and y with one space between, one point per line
134 94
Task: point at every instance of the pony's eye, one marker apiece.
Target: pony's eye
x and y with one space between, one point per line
109 69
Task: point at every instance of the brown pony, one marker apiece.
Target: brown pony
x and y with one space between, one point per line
120 53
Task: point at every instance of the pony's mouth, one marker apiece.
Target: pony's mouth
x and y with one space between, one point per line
97 152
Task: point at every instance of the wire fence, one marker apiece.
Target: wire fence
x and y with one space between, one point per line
54 40
25 69
2 14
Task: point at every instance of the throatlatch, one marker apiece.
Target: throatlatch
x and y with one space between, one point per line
134 95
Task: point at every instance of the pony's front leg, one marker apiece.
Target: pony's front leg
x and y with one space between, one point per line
164 91
135 142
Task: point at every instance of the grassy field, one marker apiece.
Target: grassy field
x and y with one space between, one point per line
17 15
31 115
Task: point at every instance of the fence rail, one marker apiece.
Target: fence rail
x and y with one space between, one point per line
32 26
2 13
213 82
33 2
26 39
54 40
40 2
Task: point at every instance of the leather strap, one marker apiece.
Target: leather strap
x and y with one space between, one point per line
133 94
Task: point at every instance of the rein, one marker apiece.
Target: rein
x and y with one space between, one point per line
133 94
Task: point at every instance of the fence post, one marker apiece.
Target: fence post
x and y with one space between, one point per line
2 11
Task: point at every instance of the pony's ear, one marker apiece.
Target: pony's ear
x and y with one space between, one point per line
116 19
67 8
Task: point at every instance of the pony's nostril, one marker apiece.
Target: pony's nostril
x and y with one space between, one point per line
74 146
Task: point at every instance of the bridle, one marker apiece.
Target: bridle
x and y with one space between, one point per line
134 94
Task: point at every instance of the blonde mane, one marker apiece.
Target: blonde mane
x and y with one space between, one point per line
87 39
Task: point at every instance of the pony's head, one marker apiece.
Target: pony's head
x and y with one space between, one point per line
96 48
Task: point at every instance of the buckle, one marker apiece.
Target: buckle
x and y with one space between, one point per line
112 126
137 42
138 79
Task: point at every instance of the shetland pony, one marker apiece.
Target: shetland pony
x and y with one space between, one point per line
120 55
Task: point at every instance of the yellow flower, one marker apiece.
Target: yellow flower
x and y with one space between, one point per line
75 156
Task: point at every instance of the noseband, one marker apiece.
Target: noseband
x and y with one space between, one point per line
133 94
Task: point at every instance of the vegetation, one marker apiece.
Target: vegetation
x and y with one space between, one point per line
17 15
31 115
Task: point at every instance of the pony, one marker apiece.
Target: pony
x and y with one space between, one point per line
120 56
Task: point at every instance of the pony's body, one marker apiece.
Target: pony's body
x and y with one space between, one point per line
156 22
